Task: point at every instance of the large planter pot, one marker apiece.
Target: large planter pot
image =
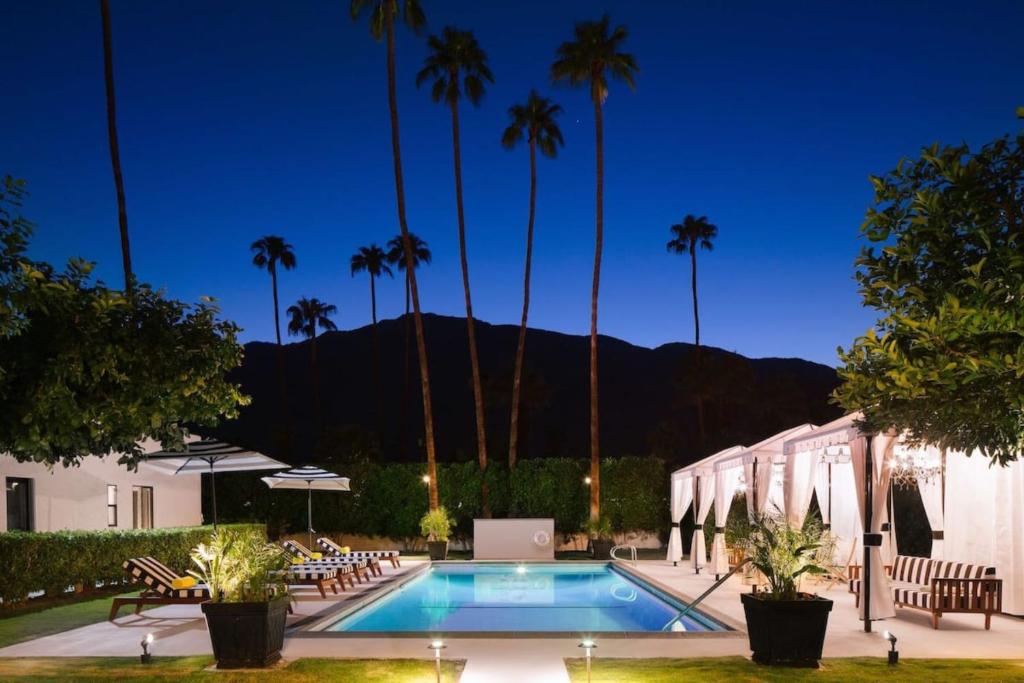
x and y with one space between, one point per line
601 548
438 550
246 634
790 632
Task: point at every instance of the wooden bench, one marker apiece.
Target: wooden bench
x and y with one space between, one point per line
940 587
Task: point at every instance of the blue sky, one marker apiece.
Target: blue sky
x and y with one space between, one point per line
242 119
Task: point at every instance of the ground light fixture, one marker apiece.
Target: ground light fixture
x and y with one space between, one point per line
588 646
586 480
894 655
146 657
437 646
426 478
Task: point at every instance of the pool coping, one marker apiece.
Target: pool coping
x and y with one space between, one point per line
314 626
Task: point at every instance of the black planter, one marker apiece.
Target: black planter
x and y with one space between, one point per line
601 549
246 634
438 550
790 632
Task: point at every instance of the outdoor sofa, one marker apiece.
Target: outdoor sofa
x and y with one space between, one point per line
335 550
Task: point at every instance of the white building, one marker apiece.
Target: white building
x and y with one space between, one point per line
98 494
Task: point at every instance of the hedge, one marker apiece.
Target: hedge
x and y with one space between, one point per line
54 561
389 499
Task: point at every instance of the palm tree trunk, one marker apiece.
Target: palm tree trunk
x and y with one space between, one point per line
421 346
595 445
517 375
376 361
280 365
406 373
696 332
474 361
115 154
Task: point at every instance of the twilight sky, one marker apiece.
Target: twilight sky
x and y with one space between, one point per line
241 119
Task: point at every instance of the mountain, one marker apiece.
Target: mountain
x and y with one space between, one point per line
648 396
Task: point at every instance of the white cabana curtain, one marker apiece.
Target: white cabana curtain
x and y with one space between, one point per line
799 483
880 604
931 498
682 495
726 482
702 504
758 476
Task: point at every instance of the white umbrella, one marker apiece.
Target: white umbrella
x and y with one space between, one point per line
309 478
210 455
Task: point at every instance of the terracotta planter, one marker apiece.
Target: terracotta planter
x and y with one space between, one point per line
246 634
789 632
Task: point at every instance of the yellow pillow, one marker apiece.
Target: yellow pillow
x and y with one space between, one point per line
183 583
345 550
317 556
298 560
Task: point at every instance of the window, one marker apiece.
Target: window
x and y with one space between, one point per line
142 507
111 505
19 504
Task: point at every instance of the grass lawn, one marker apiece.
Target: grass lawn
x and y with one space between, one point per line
194 669
26 626
741 669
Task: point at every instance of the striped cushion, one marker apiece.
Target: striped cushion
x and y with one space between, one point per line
959 570
913 570
297 549
855 585
911 596
157 577
309 573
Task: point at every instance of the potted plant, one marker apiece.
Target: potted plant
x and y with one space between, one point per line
784 624
601 540
436 525
248 598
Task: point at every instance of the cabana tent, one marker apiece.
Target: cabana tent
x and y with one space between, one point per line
693 484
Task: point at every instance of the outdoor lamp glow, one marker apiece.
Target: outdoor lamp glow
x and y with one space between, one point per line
586 480
437 646
588 646
520 569
146 656
894 655
426 478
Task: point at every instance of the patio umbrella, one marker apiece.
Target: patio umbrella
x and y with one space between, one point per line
309 478
210 455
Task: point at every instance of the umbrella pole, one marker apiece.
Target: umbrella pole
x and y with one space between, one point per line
213 495
309 515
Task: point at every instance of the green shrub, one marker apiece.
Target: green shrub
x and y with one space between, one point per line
54 561
435 525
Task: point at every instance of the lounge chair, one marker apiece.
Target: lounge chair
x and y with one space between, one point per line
308 557
163 586
321 577
335 550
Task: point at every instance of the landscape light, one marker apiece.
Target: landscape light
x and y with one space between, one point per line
586 480
894 655
146 657
426 478
588 646
437 646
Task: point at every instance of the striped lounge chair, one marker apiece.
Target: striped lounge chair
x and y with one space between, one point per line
321 577
941 587
301 552
159 588
334 550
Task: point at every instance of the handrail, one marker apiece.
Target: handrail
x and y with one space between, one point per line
632 553
709 591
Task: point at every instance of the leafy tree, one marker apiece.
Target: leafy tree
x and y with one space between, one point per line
306 316
589 60
87 370
374 261
457 66
382 15
945 361
535 121
694 232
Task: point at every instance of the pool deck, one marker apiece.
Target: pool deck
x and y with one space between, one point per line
181 630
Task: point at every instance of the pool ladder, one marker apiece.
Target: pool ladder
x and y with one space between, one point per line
632 553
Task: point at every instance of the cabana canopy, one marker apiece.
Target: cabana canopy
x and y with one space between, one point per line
686 489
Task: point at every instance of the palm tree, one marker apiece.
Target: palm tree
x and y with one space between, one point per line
308 315
269 252
374 261
536 121
115 153
687 236
382 15
457 66
590 59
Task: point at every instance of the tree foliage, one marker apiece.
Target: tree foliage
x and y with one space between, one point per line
86 370
945 361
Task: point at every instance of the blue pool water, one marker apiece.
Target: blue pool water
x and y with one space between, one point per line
581 598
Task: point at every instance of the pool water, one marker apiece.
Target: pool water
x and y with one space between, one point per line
493 597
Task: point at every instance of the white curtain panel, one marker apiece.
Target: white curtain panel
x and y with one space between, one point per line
880 603
682 495
726 482
758 475
822 488
845 518
931 497
704 497
799 482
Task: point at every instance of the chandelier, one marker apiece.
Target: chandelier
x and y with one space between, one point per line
911 466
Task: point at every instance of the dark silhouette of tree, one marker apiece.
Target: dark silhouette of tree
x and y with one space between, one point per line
687 236
115 153
307 315
534 121
382 15
457 67
269 252
374 261
589 59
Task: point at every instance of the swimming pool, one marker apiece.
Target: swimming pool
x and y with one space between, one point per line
529 597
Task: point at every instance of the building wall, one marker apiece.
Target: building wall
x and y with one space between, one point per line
76 497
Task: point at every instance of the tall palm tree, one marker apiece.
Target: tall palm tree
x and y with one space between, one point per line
115 153
269 252
306 316
590 59
374 261
535 121
382 16
457 67
687 236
